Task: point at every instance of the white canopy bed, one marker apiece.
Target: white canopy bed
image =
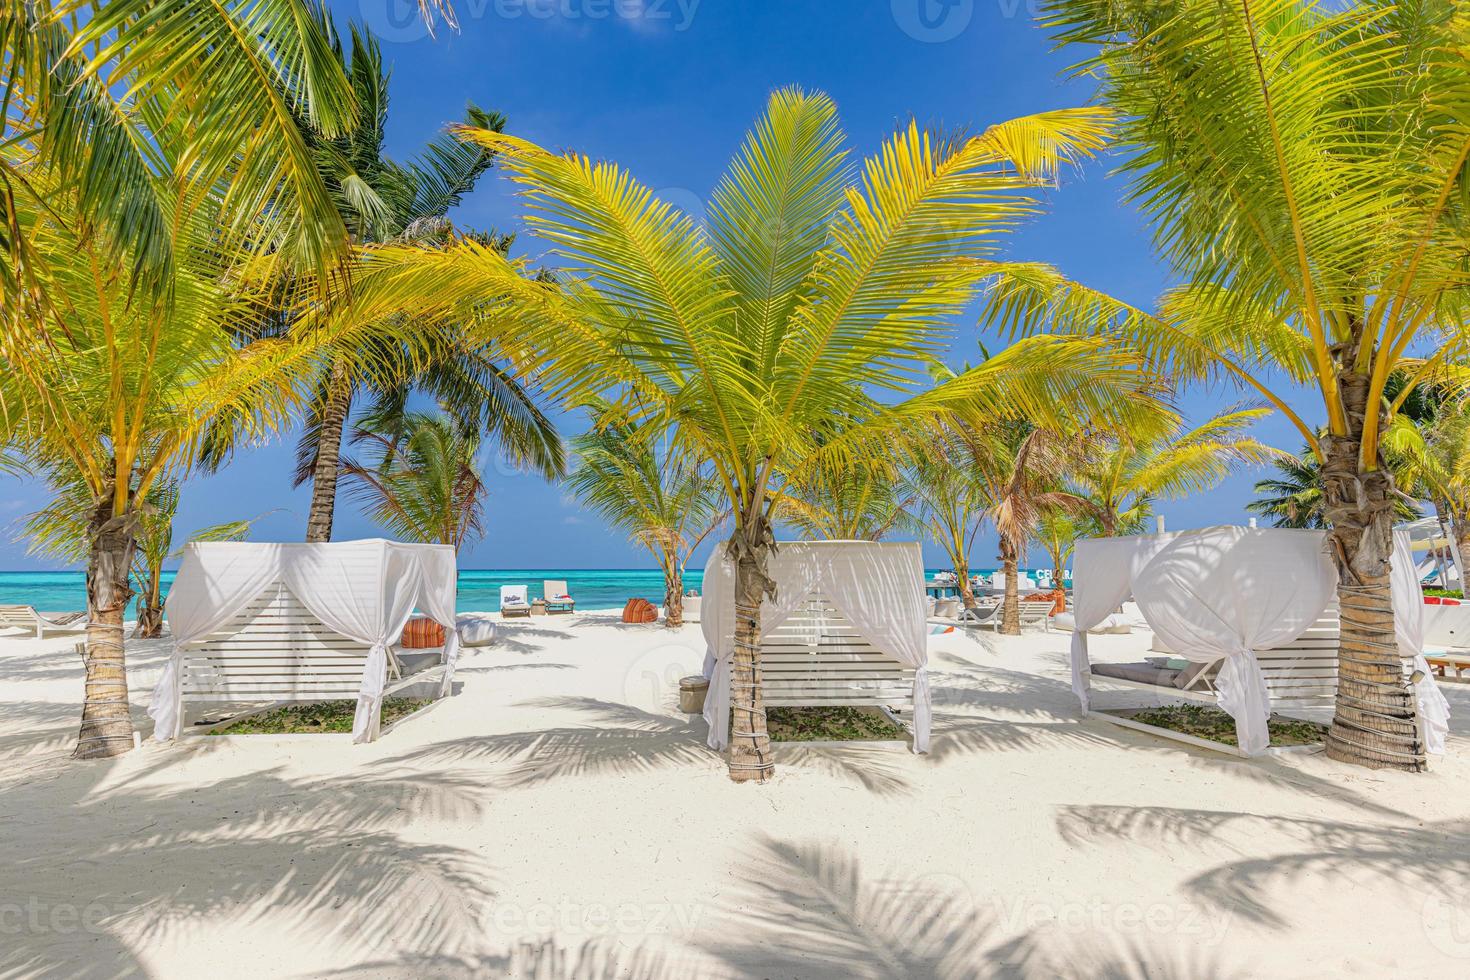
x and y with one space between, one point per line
1223 594
847 626
255 622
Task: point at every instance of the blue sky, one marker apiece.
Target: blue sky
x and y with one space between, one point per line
668 88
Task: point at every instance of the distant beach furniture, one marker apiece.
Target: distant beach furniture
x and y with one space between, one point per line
558 599
513 601
26 618
258 625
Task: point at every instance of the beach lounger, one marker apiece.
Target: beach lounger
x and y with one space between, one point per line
1197 676
1037 612
558 600
26 618
1443 663
513 601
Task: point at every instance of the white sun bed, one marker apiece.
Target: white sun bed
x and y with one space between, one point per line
26 618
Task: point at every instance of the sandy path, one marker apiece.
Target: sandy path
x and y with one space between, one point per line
560 818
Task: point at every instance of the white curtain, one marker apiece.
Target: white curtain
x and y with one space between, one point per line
879 590
1228 592
1408 621
365 590
878 587
1102 578
210 589
438 594
795 570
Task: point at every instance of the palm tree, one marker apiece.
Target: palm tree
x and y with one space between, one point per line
1440 463
642 481
948 504
1295 493
795 324
1057 530
852 503
1019 467
381 200
1303 165
422 477
155 188
1160 459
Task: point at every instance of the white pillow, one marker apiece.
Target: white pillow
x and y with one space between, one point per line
475 632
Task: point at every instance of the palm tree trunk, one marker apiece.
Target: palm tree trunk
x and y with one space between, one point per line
1460 528
1010 618
962 582
750 746
673 594
107 724
1375 723
329 454
150 620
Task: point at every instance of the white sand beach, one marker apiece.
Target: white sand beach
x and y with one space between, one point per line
559 817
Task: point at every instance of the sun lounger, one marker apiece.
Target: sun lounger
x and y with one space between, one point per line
1443 663
513 601
26 618
558 600
1197 676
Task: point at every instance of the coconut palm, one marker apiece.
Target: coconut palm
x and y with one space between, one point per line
853 503
111 97
421 477
1161 459
1293 497
154 187
1303 165
1019 467
641 481
795 324
1057 530
381 200
1439 462
948 504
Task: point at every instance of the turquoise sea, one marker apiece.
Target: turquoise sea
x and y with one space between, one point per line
479 589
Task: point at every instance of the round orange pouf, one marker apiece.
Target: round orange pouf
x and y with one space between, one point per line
421 634
640 611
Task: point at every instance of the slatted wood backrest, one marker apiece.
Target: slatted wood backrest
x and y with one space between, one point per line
1303 674
21 616
1036 610
275 650
816 658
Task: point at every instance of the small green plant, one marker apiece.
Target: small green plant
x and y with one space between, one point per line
831 724
321 718
1217 726
1445 593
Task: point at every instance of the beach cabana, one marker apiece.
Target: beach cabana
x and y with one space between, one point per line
280 623
1232 596
845 627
